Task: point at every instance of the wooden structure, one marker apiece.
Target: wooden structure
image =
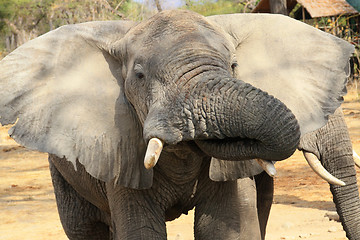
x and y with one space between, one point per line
326 15
318 8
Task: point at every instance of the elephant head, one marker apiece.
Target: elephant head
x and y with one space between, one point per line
235 87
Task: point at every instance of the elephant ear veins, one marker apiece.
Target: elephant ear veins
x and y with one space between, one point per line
66 90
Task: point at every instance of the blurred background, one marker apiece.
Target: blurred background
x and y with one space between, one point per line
22 20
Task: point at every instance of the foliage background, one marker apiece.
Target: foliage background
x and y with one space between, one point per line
23 20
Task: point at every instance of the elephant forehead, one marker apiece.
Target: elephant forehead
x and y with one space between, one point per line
175 25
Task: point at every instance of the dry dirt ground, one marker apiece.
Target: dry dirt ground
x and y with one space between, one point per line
28 210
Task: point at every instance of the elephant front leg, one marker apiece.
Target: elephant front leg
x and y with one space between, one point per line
79 218
217 214
249 219
135 215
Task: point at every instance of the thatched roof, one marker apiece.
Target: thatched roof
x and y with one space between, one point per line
316 8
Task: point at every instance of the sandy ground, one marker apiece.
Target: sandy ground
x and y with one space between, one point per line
302 199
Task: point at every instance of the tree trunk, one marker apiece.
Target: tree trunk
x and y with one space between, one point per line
278 7
158 6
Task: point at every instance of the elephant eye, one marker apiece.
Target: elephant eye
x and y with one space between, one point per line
233 66
139 71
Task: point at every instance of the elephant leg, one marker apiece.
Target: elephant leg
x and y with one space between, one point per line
79 218
136 214
249 221
217 213
265 195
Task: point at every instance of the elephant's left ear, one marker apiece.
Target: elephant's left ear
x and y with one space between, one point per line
65 91
303 67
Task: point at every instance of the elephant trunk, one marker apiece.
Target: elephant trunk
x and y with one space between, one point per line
339 162
253 124
228 119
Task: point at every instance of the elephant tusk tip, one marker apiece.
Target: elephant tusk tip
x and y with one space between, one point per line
153 152
150 161
356 159
268 166
316 166
341 183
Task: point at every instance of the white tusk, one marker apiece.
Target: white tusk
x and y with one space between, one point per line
153 152
356 159
316 166
268 166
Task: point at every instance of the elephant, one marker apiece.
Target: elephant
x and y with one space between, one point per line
332 145
145 121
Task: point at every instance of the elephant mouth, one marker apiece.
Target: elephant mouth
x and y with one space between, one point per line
225 149
232 149
228 148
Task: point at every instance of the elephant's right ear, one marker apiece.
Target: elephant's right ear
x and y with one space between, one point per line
303 67
65 92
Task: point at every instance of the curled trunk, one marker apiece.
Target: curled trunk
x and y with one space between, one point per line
228 119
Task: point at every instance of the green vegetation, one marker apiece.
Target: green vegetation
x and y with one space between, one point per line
213 7
22 20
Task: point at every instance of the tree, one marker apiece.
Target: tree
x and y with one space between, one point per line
213 7
22 20
158 6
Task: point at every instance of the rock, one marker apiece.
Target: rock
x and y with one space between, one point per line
304 235
332 229
333 216
287 238
287 225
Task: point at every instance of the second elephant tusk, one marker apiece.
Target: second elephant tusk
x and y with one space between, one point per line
153 152
268 166
356 159
316 166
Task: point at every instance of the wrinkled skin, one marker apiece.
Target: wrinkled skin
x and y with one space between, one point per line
96 93
179 185
333 147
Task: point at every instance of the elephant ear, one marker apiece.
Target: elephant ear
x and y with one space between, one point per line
65 92
221 170
303 67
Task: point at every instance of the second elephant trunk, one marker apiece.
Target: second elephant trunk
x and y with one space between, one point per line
228 119
339 162
332 145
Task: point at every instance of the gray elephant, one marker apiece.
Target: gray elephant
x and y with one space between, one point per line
143 122
331 144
